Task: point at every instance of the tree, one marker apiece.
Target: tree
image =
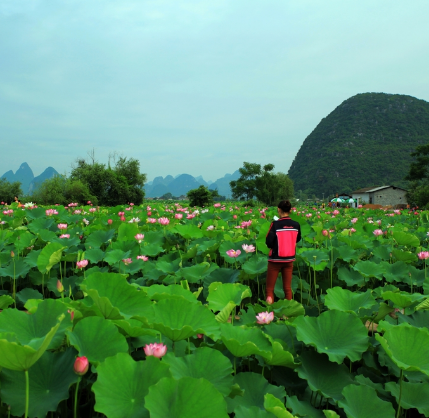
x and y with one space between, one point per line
201 196
9 190
112 186
418 175
263 183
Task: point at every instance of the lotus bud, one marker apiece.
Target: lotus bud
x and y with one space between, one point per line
81 365
60 286
12 254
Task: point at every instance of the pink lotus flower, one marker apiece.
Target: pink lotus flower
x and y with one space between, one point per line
217 205
50 212
235 216
423 255
210 228
77 212
156 349
178 216
109 221
92 210
233 253
246 224
309 215
378 232
335 212
354 220
71 314
62 226
248 248
149 213
325 233
265 317
151 220
139 238
122 218
127 261
352 230
121 214
82 264
164 221
142 257
65 236
81 365
359 206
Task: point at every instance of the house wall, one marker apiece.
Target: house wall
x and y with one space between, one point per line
361 197
389 197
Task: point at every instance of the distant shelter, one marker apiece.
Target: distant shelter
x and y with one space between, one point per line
383 195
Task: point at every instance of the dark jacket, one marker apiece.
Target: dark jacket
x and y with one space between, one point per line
282 238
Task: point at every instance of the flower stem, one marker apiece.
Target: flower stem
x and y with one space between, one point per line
27 393
400 393
75 397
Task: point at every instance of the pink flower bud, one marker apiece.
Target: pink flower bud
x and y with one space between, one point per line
155 349
109 221
60 286
81 365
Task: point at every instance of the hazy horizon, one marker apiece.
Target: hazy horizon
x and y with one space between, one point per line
194 87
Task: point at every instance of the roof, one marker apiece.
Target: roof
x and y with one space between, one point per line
375 189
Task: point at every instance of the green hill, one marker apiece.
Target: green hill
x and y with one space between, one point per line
366 141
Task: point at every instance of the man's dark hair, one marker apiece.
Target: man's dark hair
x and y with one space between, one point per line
285 206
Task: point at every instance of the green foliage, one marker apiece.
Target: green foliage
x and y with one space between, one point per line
8 190
201 196
261 182
364 142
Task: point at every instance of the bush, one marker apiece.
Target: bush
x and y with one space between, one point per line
9 190
200 197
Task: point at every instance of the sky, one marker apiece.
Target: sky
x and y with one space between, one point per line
194 87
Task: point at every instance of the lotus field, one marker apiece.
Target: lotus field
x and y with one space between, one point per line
160 312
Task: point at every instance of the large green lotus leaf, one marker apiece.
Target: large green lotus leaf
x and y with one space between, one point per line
188 231
396 272
347 301
383 252
115 256
276 407
252 412
97 238
49 256
351 277
288 308
363 402
316 259
127 231
405 256
21 357
94 255
134 328
123 383
338 334
302 408
346 253
152 250
31 329
28 293
5 301
407 347
330 414
50 381
203 362
114 296
195 274
242 341
257 264
414 395
369 269
39 225
168 265
402 299
23 240
418 319
323 376
17 268
255 387
31 258
186 397
220 294
405 238
154 237
97 338
175 291
179 319
279 356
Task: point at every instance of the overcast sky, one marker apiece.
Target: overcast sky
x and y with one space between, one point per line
194 87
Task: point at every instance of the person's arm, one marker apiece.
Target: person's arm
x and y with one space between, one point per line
298 237
271 236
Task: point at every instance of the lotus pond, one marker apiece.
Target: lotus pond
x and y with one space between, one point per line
145 312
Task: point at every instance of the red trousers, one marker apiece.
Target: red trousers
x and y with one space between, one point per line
273 271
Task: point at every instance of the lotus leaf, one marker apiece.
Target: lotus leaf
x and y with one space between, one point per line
302 408
195 274
276 407
204 362
50 381
114 296
220 294
324 376
347 301
175 291
97 339
414 395
120 389
407 346
351 277
257 264
363 402
402 299
252 412
49 256
186 397
255 388
179 319
15 269
369 269
338 334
